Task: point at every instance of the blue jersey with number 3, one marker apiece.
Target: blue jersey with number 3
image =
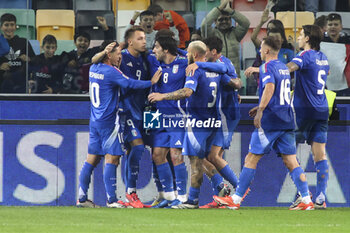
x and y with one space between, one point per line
278 114
310 101
105 83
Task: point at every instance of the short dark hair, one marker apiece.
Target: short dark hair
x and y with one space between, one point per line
274 44
214 42
130 32
82 34
168 43
333 16
49 39
8 17
164 33
321 21
315 36
146 13
155 8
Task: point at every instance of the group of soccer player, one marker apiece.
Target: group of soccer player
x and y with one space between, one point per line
200 85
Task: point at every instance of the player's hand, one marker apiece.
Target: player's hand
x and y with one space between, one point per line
168 16
252 112
257 118
155 97
156 76
5 66
109 47
102 21
24 58
191 69
250 70
136 15
48 90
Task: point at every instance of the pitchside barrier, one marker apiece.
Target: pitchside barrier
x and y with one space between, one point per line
43 144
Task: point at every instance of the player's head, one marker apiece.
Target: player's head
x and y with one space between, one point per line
223 22
147 21
310 37
135 39
196 51
276 24
276 34
164 46
165 33
214 47
8 25
49 46
269 47
113 57
157 11
321 21
82 41
334 24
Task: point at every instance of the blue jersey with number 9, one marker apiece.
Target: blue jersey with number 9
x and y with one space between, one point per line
310 101
278 115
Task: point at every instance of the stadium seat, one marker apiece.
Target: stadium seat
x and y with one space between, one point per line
178 5
248 54
123 19
95 43
130 5
59 23
204 5
302 18
254 18
18 4
345 17
64 45
244 5
23 17
45 4
86 21
92 5
36 46
189 18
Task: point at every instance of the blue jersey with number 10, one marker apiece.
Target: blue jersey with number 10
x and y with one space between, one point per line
105 83
310 101
278 114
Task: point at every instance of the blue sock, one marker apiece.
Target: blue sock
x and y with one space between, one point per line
133 165
193 195
216 183
110 180
156 178
245 179
322 177
181 178
84 180
165 177
229 175
301 185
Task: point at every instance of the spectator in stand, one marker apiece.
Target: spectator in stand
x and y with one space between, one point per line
334 30
166 19
320 5
321 21
147 23
12 64
195 35
75 79
231 36
46 69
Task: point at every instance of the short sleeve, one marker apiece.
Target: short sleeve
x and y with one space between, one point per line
266 74
192 81
301 59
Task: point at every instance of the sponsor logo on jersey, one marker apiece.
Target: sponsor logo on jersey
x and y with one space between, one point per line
129 64
178 143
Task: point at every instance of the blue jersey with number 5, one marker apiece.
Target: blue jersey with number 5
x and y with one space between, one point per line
310 101
105 83
278 114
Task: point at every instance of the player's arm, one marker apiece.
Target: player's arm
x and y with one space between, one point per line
125 82
212 66
175 95
98 57
292 66
269 89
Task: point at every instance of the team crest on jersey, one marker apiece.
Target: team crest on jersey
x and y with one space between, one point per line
175 69
134 132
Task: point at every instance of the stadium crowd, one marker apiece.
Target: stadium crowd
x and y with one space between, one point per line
161 67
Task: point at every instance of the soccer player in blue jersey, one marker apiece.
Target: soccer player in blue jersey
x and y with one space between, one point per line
135 66
310 104
274 122
170 138
201 90
106 80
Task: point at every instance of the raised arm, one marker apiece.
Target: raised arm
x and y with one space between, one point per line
254 37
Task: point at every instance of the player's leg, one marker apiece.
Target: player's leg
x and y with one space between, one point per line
134 157
196 179
181 173
216 179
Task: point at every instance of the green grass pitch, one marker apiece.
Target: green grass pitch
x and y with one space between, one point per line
247 219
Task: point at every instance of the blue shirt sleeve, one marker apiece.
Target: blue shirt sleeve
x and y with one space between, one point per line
192 81
266 76
123 81
225 79
300 59
182 52
213 66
